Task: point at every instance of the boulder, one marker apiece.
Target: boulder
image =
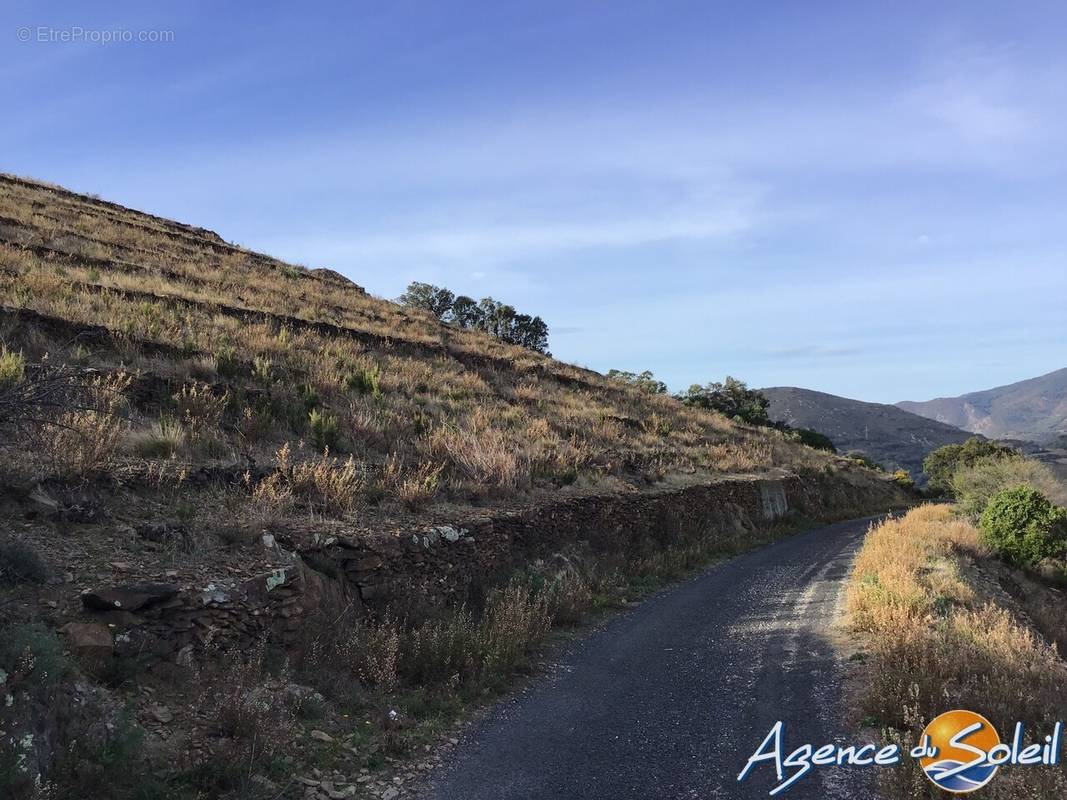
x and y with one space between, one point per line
129 598
88 638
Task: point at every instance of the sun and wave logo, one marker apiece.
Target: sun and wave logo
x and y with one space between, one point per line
960 752
959 744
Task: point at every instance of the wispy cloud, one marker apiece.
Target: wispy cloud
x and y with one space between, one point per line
503 241
980 93
726 208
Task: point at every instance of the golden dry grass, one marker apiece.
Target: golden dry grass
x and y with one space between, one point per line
263 354
938 643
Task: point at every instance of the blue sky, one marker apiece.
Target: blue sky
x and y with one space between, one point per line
862 198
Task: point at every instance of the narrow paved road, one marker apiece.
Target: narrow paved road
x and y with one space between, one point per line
670 699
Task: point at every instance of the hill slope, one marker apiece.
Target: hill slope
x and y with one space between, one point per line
1034 409
241 393
892 437
309 359
225 479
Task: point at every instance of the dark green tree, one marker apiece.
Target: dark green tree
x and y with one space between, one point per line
941 464
465 312
644 381
495 318
811 438
435 299
530 332
730 397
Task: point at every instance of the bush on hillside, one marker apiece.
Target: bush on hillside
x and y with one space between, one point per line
495 318
435 299
812 438
903 478
12 367
732 398
1024 527
20 563
644 381
974 485
941 464
862 458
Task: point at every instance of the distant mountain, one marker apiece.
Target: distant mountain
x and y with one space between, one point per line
892 437
1034 409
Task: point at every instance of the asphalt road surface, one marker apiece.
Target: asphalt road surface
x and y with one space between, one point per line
670 699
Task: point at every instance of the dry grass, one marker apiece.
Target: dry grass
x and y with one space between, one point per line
414 487
324 483
248 725
893 577
453 650
201 410
974 485
937 644
163 440
292 357
482 453
84 441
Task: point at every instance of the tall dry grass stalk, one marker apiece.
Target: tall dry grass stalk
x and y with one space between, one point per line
482 453
84 441
324 483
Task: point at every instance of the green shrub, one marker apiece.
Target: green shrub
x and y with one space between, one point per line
164 439
942 464
364 381
12 367
974 484
309 396
732 398
323 429
263 368
902 478
865 460
645 381
227 362
1024 527
812 438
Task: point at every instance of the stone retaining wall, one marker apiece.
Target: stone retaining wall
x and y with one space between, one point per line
451 564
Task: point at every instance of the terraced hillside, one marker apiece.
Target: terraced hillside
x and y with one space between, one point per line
204 447
232 355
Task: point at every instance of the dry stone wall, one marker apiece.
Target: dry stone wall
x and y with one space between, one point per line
451 564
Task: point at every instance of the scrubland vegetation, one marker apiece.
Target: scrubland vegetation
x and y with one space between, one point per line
1015 501
928 594
173 407
228 355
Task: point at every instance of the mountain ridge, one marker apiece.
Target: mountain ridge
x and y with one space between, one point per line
1034 409
894 437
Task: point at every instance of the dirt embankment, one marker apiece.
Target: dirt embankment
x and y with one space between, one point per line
940 632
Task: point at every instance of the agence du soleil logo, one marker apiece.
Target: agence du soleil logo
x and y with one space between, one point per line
960 752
